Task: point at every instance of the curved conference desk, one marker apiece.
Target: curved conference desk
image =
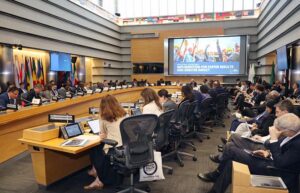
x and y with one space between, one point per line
12 123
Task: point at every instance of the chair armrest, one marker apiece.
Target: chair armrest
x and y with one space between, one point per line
110 142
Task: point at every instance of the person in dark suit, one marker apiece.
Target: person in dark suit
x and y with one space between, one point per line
296 90
217 89
9 97
284 147
35 92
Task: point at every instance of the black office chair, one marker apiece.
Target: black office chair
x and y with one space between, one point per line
136 132
202 117
220 107
191 120
161 139
176 134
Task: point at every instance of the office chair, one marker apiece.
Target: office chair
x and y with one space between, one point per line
220 107
136 132
202 115
191 116
177 132
161 139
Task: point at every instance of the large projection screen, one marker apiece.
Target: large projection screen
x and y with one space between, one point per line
206 56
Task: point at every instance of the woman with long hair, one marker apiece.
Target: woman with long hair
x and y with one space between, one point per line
111 115
151 102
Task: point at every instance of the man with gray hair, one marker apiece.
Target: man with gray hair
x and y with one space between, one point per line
35 92
283 153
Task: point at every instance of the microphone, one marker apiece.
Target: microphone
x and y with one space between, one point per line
27 101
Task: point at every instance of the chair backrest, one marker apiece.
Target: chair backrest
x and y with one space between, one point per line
136 132
221 101
192 110
205 107
162 131
181 114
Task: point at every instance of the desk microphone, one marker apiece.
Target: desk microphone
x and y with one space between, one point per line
27 101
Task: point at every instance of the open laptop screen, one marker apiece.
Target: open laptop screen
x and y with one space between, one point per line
94 125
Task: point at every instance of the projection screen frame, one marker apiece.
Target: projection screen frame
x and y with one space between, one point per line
166 55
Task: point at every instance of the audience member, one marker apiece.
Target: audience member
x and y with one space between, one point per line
110 118
151 102
283 147
165 100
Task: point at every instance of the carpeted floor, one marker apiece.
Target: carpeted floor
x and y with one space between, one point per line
17 176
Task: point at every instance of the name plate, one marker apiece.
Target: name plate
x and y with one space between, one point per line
69 95
112 88
124 86
129 86
61 118
36 101
89 92
80 94
105 89
94 110
98 90
118 87
12 106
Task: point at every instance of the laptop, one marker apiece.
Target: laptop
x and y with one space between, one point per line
94 126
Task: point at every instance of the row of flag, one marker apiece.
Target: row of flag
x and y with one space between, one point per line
29 70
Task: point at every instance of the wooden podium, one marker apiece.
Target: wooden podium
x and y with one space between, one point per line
241 182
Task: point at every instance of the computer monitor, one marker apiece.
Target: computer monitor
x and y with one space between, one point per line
73 130
94 126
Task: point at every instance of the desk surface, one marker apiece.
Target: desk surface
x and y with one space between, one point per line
12 124
55 144
27 112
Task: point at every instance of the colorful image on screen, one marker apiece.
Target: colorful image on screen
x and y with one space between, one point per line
211 55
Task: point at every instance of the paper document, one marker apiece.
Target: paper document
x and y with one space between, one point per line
74 142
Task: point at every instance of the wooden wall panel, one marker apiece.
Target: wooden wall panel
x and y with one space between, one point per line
152 49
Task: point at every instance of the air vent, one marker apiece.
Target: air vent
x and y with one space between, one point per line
144 35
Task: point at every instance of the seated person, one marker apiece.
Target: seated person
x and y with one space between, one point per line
296 91
259 96
9 97
110 118
282 108
283 147
204 93
151 102
34 93
216 90
260 124
187 93
47 93
165 100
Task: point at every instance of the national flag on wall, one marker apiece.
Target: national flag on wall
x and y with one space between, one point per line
28 72
40 72
33 72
